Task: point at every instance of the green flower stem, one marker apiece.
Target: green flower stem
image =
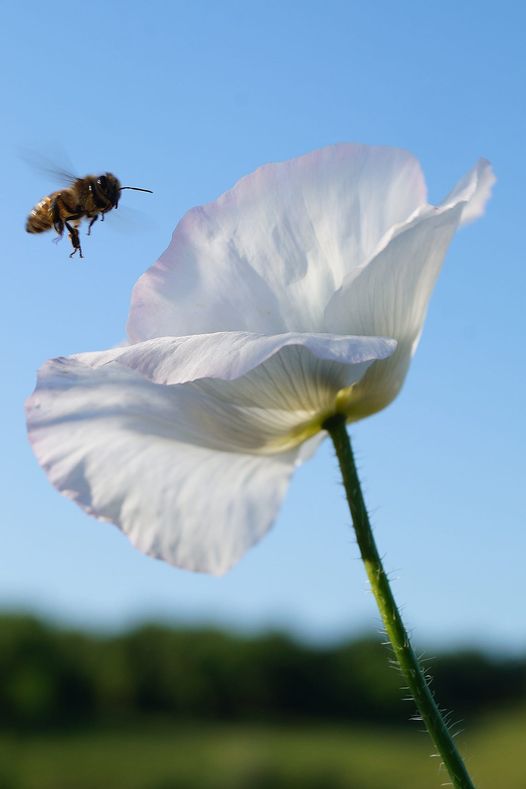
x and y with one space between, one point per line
392 620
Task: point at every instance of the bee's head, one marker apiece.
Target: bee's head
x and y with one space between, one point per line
111 188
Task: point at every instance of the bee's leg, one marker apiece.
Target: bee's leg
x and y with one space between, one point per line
57 220
93 222
74 236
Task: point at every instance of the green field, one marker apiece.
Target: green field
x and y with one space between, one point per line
258 757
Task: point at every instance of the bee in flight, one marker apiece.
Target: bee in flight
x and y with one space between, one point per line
88 197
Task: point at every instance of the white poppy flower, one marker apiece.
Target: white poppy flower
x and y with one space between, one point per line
298 294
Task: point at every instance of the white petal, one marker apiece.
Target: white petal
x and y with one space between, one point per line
230 355
474 189
267 255
390 295
227 391
193 507
192 472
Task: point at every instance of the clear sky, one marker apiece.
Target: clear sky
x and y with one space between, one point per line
184 98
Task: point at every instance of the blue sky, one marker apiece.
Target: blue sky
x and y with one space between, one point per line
184 98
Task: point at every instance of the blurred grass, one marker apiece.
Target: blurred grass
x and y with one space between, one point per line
258 757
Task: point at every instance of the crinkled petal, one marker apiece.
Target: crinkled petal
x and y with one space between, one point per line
267 256
230 355
192 472
474 189
281 385
390 296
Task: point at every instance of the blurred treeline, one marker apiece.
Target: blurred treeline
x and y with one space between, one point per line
56 678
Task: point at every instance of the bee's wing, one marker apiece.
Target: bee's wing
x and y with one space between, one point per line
49 166
130 220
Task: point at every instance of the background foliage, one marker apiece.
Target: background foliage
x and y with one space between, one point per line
158 708
57 678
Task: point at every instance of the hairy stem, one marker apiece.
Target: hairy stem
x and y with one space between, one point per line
392 620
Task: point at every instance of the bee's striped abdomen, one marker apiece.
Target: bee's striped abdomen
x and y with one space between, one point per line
41 217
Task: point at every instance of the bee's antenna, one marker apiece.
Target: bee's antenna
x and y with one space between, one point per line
135 189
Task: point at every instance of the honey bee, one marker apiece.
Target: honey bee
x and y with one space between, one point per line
88 197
